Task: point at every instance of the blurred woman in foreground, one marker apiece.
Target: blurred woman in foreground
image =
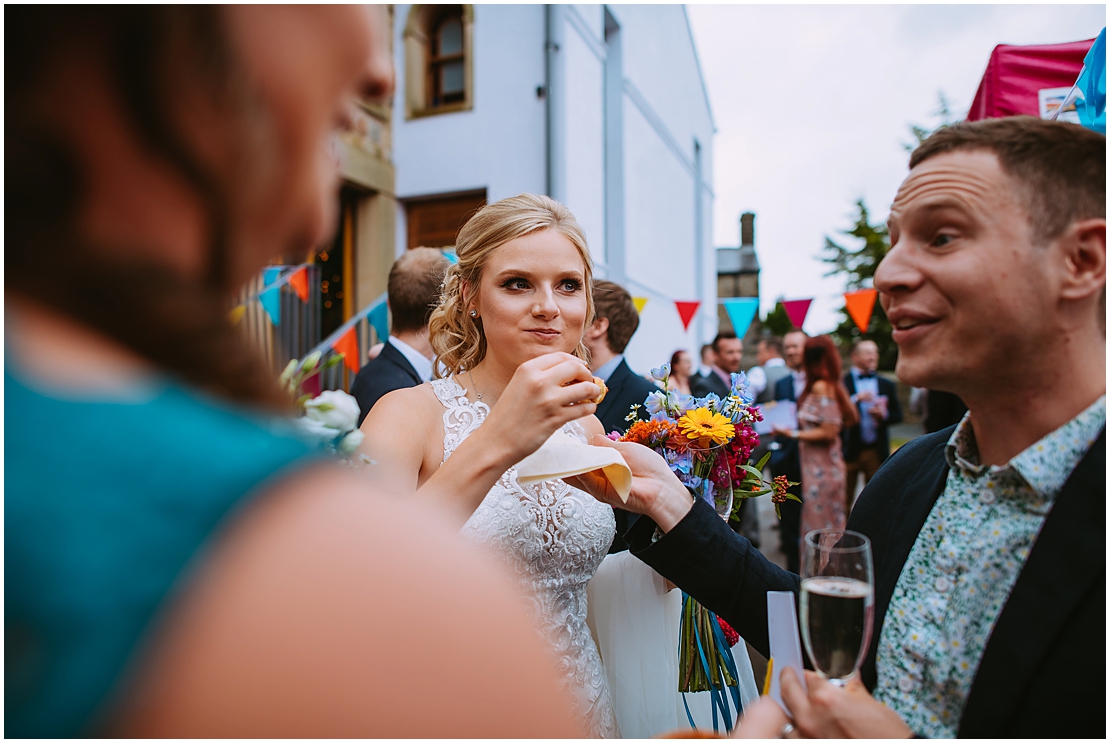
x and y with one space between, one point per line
174 565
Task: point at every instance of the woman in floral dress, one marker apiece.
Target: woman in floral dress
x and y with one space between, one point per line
823 409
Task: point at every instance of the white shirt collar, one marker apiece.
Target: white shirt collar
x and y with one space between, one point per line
606 370
421 363
773 362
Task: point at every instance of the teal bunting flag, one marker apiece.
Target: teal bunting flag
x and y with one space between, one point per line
1092 83
271 302
270 275
379 320
741 311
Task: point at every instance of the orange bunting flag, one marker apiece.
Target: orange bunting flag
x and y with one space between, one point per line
299 283
687 310
237 314
347 344
639 302
860 304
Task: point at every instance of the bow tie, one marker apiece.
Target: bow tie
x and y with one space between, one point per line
866 375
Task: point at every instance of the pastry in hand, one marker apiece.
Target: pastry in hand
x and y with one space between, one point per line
604 391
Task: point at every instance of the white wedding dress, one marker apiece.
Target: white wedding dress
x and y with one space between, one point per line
553 538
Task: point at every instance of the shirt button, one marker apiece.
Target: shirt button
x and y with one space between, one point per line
905 684
987 497
942 584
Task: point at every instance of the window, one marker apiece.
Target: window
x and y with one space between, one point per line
438 76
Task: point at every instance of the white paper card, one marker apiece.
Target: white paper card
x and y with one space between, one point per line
781 413
786 646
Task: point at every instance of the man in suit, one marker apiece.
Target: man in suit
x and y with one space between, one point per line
616 320
728 351
867 444
989 537
784 459
772 367
405 360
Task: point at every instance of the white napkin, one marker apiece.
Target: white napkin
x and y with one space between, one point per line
563 456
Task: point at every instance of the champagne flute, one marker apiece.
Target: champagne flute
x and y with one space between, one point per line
837 602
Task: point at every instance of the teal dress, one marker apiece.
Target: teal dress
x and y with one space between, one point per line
106 503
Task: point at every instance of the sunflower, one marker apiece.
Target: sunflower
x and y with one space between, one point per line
710 429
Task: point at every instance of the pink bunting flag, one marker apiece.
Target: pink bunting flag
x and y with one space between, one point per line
796 310
687 310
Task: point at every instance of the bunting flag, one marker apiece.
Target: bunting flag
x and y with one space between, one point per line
860 304
639 302
741 311
271 302
298 280
687 310
796 310
379 320
347 344
237 314
271 274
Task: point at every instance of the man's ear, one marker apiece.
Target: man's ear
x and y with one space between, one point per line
1084 253
598 328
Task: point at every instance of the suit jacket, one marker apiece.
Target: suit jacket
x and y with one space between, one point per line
853 438
1055 615
626 389
785 461
702 386
389 371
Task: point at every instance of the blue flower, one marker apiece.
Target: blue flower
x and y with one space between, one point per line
684 404
710 401
656 402
661 373
740 388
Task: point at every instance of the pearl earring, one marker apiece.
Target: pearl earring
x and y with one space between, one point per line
474 313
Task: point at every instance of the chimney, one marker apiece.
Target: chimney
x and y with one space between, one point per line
747 229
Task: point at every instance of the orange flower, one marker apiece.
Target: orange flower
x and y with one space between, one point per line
648 432
707 427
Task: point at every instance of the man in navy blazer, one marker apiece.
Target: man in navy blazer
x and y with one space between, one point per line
867 444
406 357
615 322
989 537
784 459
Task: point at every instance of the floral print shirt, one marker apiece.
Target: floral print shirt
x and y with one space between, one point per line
962 567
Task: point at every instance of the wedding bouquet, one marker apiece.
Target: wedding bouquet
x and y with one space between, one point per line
707 443
331 417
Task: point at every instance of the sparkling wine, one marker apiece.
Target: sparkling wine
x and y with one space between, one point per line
837 614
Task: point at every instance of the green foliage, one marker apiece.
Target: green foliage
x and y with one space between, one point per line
858 264
920 133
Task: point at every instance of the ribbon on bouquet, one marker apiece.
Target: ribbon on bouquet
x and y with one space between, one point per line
719 696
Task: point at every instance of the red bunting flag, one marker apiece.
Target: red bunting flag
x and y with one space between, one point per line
347 344
299 283
860 304
796 310
687 310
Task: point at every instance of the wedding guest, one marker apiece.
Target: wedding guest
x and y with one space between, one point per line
705 367
406 358
682 368
176 565
784 460
728 351
770 369
823 409
988 537
867 444
615 322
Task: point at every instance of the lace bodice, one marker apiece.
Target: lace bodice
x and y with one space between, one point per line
553 537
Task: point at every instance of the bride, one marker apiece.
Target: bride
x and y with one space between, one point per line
512 367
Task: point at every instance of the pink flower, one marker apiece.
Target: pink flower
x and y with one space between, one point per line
613 436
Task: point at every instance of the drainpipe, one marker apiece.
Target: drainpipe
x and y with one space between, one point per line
553 98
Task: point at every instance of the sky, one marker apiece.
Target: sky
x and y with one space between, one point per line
813 104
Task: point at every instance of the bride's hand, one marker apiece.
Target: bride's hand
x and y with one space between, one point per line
656 491
544 394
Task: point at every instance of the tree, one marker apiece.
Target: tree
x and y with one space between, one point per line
777 322
858 263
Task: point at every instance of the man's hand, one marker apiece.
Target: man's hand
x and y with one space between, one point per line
764 719
656 491
834 712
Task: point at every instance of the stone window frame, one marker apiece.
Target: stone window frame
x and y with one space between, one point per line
417 43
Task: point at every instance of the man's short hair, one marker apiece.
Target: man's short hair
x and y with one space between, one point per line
722 336
859 342
414 283
772 342
614 304
1059 168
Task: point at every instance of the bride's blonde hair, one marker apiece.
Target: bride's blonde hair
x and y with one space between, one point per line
458 339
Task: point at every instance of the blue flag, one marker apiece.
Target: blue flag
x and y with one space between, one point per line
270 275
741 312
271 302
1092 83
379 320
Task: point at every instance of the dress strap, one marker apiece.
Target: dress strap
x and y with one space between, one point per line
461 416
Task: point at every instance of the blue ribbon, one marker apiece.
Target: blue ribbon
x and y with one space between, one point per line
717 691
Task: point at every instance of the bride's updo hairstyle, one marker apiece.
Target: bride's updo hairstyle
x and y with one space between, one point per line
458 339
